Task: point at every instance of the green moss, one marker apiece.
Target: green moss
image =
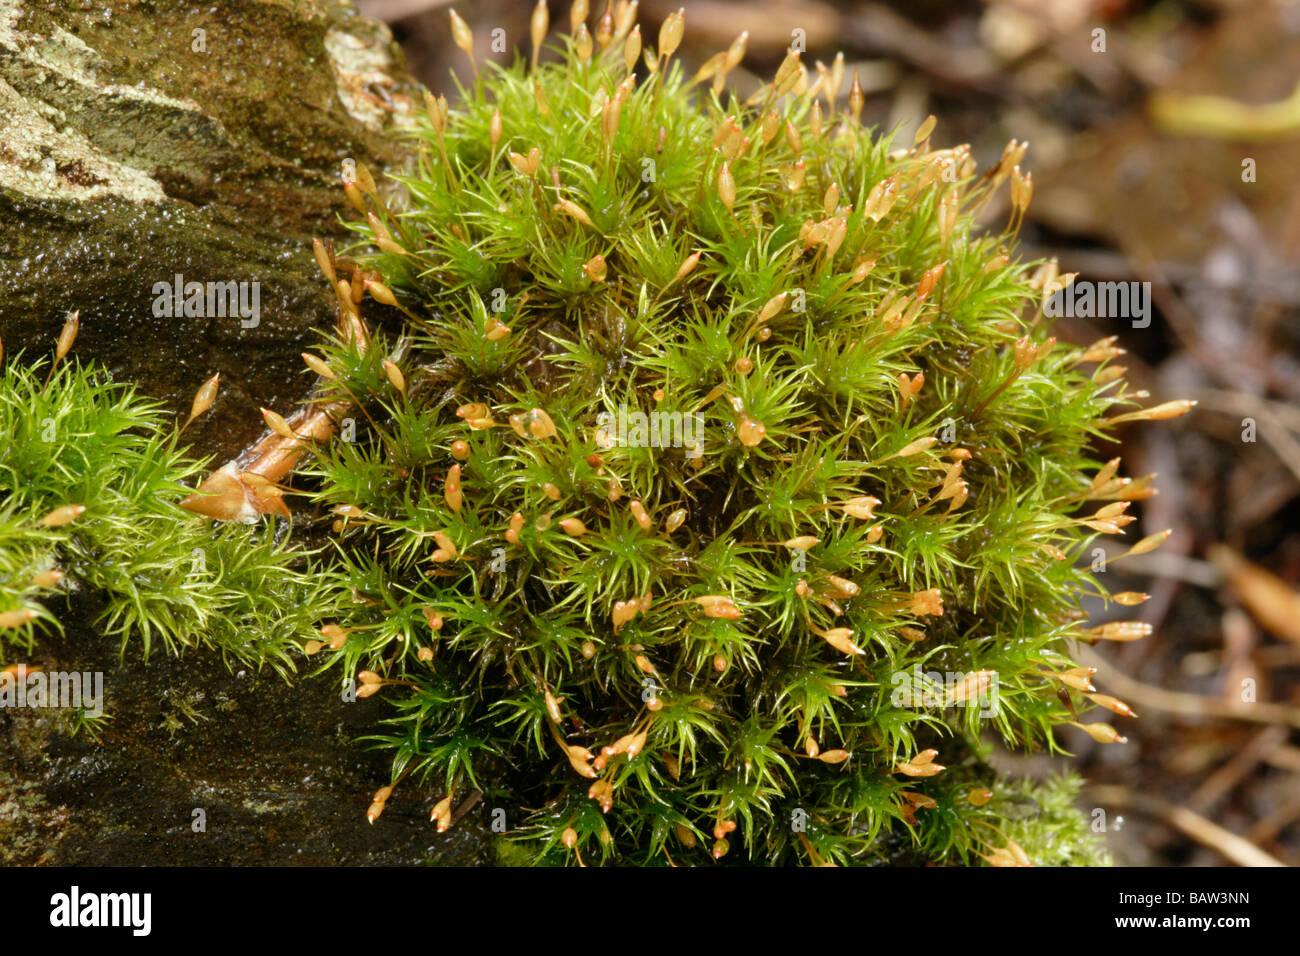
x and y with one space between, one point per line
90 478
791 635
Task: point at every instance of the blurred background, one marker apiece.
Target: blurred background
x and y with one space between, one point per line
1164 142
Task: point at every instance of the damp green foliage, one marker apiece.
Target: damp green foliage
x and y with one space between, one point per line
74 439
774 507
1043 819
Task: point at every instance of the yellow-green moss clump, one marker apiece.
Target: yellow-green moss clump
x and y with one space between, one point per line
727 497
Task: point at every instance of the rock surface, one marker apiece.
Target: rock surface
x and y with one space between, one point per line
138 141
145 140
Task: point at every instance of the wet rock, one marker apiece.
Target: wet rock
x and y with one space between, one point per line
202 766
140 141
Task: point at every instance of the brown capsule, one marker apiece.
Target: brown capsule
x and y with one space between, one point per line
67 335
495 130
324 260
924 131
831 199
595 268
772 308
47 579
573 210
460 450
687 267
395 376
277 424
12 619
445 543
685 836
842 586
353 195
751 431
922 765
452 490
602 791
674 520
205 397
573 527
841 638
632 49
1102 733
978 796
461 35
726 187
529 164
719 606
1122 631
317 365
538 24
929 279
793 139
380 292
582 44
441 814
580 760
670 33
927 603
1130 598
1113 704
62 516
334 635
1080 678
861 507
1149 543
553 707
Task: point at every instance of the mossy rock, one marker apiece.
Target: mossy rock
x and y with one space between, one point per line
153 139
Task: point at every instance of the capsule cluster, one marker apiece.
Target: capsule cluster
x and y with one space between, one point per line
715 421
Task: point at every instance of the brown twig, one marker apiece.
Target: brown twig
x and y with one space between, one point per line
1236 849
1187 705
